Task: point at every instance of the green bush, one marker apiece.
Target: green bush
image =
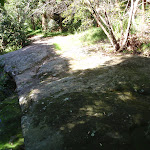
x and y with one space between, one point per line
10 114
93 35
12 33
146 46
79 21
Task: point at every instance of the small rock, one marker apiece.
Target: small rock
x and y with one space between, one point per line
109 114
44 108
104 113
92 134
66 99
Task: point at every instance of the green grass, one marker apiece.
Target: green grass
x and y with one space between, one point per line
80 39
16 145
52 34
93 35
32 32
57 46
145 46
10 115
10 131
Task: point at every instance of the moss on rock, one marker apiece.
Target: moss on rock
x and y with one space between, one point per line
10 115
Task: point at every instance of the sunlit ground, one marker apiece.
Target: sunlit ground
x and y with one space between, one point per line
81 55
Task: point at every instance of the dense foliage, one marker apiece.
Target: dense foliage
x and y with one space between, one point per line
118 19
13 34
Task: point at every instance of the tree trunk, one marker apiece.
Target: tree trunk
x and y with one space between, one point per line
134 11
143 9
114 41
32 22
106 25
99 21
124 43
44 21
60 23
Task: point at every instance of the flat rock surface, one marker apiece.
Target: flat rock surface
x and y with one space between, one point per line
79 98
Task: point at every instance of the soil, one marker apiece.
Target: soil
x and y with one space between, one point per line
81 98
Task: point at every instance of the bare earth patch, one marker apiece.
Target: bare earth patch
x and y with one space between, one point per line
80 97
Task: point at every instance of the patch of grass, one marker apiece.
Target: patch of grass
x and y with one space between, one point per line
78 40
32 32
68 43
16 145
57 46
52 34
10 124
93 35
145 46
10 115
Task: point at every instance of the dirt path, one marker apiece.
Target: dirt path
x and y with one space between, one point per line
80 98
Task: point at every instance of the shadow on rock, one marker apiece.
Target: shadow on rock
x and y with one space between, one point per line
103 108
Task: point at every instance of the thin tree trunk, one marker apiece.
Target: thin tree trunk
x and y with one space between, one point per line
115 43
60 24
128 27
44 21
134 11
103 28
32 22
143 9
109 34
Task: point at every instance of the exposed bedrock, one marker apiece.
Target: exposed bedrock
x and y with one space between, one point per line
83 109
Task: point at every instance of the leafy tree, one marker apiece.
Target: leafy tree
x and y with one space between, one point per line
112 16
115 17
12 25
2 2
77 17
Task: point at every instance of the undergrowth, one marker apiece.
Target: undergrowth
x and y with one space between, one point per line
93 35
10 115
58 33
34 32
79 39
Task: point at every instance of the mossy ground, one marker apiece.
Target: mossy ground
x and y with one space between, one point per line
10 115
113 118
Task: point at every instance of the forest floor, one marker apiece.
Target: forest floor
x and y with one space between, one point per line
80 97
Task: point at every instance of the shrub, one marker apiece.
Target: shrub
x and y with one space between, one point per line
12 33
93 35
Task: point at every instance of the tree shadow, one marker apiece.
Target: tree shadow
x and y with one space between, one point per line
32 64
103 108
28 67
